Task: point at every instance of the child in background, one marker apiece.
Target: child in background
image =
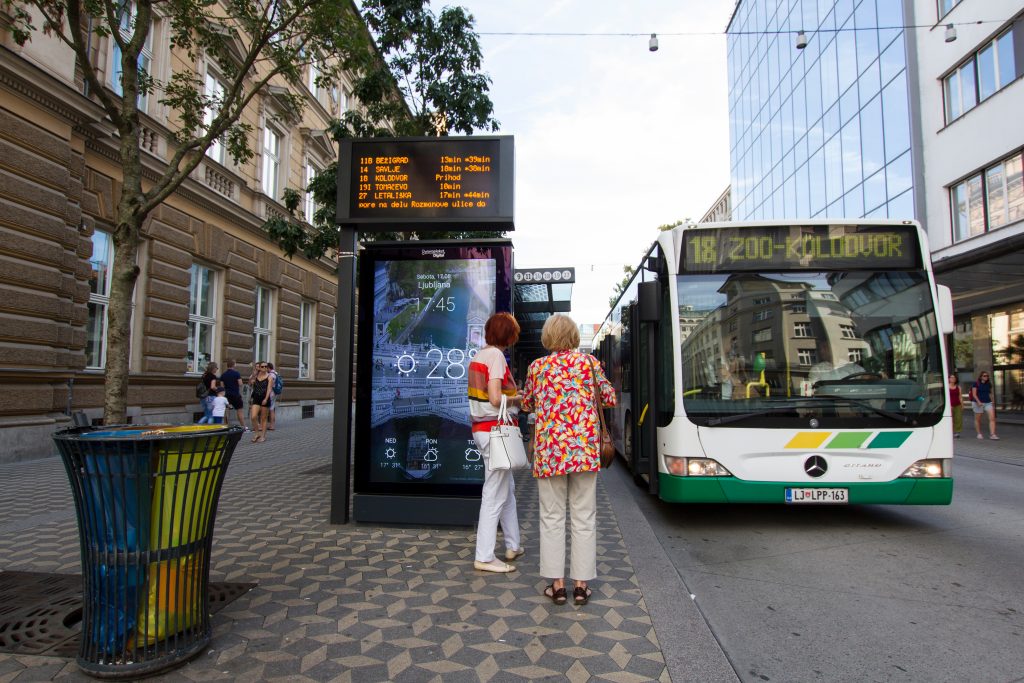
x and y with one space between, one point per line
220 406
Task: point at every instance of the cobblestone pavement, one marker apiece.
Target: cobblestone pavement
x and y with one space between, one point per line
355 602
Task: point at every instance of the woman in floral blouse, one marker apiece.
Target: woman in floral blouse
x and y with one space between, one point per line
559 389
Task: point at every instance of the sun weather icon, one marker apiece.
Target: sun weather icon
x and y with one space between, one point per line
406 364
390 454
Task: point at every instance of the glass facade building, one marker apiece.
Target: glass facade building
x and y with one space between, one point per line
824 131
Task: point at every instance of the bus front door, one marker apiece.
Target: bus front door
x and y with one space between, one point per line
643 460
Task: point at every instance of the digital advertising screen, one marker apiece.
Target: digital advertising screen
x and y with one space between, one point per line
422 312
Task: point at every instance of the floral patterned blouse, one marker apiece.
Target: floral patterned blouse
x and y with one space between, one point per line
559 388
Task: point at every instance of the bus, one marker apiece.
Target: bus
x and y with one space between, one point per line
772 362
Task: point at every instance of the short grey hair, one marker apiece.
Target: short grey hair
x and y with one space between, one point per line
560 333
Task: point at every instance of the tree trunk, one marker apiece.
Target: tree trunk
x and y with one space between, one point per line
123 277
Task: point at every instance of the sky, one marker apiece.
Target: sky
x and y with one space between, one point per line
611 140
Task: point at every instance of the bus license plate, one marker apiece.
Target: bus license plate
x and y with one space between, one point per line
817 496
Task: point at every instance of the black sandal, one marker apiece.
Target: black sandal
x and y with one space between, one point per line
581 595
557 595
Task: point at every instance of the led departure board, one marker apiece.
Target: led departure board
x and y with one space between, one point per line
802 247
437 183
425 309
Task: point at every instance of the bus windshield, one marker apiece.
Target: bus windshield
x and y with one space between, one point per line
808 349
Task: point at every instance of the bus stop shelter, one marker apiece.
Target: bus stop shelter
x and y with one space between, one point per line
537 293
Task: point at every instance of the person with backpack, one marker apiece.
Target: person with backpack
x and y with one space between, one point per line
206 390
277 386
259 400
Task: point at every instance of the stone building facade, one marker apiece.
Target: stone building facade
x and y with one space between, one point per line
211 285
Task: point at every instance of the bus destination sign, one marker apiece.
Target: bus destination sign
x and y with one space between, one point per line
435 183
803 247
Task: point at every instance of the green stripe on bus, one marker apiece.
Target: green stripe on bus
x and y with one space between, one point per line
849 440
889 440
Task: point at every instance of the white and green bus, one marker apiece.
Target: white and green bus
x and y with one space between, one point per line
784 363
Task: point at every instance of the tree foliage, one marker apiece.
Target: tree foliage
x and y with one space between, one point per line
252 44
425 79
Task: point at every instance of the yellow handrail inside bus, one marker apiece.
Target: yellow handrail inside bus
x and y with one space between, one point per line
643 414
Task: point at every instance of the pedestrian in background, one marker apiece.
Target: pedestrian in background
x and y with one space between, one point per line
272 406
981 398
567 454
209 381
489 379
219 407
259 399
231 380
956 403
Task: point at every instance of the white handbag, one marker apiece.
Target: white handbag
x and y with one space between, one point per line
506 450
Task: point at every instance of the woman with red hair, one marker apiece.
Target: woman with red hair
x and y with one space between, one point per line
489 380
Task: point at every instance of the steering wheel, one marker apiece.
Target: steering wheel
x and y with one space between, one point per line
860 375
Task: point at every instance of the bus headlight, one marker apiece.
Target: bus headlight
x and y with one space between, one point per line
695 467
927 469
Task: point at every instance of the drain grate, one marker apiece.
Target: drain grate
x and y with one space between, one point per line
41 614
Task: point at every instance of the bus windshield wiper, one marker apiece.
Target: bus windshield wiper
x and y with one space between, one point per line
791 405
898 417
726 419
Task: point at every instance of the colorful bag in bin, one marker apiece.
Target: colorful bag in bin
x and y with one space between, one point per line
117 511
174 601
187 477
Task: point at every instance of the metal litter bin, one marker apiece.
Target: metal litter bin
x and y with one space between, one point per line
145 498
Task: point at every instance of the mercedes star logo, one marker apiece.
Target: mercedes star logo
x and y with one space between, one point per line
815 466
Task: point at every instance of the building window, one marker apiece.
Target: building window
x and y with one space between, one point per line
309 203
984 73
261 329
314 74
764 335
213 89
201 318
945 6
99 300
847 332
271 161
305 338
807 356
990 199
763 314
855 355
762 300
798 308
801 330
129 14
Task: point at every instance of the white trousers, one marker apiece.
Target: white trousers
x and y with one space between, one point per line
580 491
497 505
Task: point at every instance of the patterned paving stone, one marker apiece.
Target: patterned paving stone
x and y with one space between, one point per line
356 602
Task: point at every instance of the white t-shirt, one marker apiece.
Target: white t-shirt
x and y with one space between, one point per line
220 406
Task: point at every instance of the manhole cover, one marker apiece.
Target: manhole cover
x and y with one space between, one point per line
41 614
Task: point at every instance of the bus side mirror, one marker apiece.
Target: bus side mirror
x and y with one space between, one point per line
649 301
945 310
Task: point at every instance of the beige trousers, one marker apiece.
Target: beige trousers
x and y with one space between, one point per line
578 492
